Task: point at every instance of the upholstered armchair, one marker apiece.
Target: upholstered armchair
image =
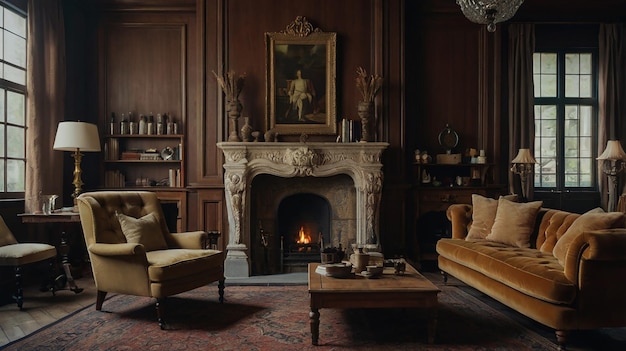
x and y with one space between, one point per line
132 251
17 255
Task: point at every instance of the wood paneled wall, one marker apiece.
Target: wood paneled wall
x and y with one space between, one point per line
438 68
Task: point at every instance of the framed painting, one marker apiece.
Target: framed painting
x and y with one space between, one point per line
300 83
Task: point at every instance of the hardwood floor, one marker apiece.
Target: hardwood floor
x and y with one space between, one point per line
42 308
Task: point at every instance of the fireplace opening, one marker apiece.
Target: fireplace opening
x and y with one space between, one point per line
303 222
282 208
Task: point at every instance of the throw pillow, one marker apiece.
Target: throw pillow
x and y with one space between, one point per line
514 222
595 219
483 215
145 230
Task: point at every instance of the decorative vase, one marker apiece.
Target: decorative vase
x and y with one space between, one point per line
364 109
246 130
233 108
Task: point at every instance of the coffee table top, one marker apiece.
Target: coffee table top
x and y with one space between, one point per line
410 281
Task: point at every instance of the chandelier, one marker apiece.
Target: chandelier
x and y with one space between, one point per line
489 12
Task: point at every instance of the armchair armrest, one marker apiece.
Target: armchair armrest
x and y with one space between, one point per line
123 249
460 215
187 240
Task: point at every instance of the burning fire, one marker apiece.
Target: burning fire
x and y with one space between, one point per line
302 237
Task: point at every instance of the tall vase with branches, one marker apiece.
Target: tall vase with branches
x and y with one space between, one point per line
368 86
232 85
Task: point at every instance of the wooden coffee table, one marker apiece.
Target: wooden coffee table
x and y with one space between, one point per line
388 291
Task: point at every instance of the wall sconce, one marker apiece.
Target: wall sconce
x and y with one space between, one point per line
524 165
77 137
489 12
613 163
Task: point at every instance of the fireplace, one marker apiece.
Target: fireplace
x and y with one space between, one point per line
323 210
259 176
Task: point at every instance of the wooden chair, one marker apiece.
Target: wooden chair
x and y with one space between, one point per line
17 255
133 252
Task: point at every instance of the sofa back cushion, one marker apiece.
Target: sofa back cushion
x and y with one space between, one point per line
552 226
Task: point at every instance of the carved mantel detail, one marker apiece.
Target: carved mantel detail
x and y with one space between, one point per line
245 160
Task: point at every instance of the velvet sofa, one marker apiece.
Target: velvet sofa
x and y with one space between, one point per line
573 285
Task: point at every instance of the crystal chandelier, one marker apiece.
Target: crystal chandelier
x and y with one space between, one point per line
489 12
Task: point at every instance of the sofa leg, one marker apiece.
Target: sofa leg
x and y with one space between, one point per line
220 288
561 338
445 277
100 299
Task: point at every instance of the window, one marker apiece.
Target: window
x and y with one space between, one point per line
565 119
12 100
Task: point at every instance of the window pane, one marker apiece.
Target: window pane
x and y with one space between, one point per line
548 63
2 177
15 175
2 105
14 74
548 85
586 146
586 121
572 86
2 151
15 23
545 70
15 142
572 64
585 85
15 108
14 49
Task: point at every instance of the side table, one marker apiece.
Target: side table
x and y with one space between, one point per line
61 219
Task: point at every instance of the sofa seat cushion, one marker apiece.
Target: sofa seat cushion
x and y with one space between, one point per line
529 271
173 264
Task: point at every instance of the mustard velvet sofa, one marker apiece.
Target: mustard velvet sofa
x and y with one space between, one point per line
587 291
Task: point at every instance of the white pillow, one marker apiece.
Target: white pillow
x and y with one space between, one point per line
514 222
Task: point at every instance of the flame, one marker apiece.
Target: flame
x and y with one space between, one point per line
302 237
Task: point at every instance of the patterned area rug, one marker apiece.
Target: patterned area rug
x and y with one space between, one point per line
276 318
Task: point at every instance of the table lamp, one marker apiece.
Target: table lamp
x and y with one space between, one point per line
77 137
523 164
613 162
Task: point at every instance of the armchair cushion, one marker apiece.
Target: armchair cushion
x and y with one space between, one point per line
145 230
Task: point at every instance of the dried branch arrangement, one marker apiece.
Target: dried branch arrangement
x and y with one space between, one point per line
230 84
368 86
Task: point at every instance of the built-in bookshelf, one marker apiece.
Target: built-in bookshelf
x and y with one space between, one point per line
140 161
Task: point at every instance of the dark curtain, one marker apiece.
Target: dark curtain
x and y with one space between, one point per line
611 94
46 95
521 97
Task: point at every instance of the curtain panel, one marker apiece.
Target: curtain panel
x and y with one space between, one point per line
521 97
45 102
611 95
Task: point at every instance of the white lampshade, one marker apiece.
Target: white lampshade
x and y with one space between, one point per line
77 135
524 156
613 151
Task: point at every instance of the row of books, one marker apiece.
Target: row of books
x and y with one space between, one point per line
112 153
114 179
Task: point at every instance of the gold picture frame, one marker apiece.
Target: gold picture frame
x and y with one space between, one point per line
300 83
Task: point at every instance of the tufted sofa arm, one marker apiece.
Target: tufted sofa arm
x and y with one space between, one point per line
460 215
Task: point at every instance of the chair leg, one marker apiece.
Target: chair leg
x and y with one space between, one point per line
19 292
445 277
220 288
100 299
561 338
160 312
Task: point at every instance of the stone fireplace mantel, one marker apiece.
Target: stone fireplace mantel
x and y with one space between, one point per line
245 160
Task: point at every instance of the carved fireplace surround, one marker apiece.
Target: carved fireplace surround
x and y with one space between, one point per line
245 160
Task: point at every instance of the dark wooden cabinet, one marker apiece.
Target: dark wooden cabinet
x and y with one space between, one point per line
437 186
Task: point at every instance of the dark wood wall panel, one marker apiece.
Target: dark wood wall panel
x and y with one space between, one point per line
145 69
211 205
